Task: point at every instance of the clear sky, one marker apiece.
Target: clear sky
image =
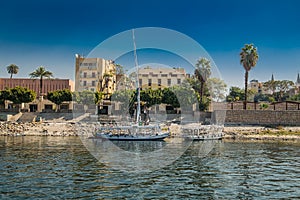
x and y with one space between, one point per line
50 33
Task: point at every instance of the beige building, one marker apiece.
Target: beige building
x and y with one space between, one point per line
34 84
39 104
255 86
95 74
155 78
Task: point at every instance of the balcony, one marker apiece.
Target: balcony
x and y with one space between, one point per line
87 76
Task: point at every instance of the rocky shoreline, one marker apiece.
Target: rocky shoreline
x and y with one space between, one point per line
62 129
37 129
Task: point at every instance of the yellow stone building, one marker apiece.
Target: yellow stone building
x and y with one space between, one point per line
155 78
95 74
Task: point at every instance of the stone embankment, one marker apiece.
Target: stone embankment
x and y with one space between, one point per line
37 129
69 128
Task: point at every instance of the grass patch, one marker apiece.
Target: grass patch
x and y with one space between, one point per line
279 132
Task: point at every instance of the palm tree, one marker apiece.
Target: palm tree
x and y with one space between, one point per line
41 72
108 77
12 69
202 73
249 57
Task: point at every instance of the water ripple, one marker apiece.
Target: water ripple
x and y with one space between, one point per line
61 168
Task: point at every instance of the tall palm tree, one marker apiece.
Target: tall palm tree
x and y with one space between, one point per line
12 69
249 57
40 73
202 73
108 77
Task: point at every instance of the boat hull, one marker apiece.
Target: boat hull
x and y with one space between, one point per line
133 138
206 137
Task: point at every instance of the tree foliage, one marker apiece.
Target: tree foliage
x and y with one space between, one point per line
217 89
151 97
4 95
98 97
119 69
295 97
262 97
282 87
169 97
85 97
20 95
59 96
270 85
235 94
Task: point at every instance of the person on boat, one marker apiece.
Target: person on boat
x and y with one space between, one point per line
146 116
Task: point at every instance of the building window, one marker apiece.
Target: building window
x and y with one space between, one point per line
164 75
179 81
84 83
84 75
93 75
169 82
149 82
159 82
93 83
140 82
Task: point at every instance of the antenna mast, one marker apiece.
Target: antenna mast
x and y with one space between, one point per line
138 109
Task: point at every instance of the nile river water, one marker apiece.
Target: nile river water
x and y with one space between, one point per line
62 168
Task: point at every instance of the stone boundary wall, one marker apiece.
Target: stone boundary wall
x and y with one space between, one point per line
262 117
254 106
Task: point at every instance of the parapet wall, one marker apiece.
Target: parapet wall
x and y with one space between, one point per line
262 117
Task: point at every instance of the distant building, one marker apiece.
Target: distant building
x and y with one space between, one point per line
49 85
296 89
258 87
156 78
255 86
297 84
34 84
94 74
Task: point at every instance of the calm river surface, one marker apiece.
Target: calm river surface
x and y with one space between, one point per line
62 168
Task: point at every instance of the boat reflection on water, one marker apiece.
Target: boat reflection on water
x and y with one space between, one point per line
145 156
201 148
140 146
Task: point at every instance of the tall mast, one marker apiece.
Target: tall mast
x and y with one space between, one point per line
138 109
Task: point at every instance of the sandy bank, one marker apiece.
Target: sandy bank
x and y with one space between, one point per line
262 133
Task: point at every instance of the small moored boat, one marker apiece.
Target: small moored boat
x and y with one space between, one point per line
202 132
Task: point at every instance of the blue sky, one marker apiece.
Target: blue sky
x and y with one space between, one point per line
50 33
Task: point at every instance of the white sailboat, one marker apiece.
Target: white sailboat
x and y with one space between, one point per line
137 131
